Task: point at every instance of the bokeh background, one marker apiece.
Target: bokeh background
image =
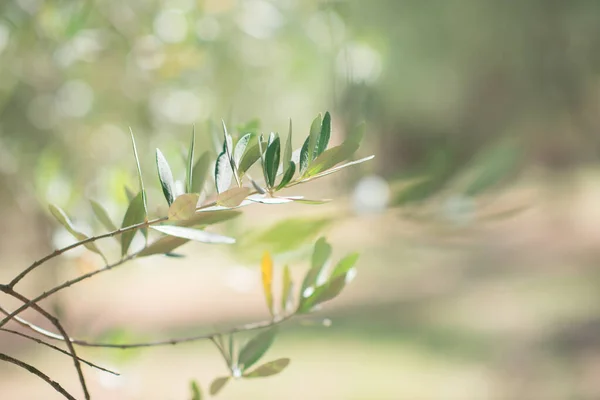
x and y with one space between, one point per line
478 220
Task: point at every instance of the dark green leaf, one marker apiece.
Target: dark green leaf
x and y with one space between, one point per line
218 384
189 172
313 138
163 245
102 216
228 146
320 256
256 348
174 255
193 234
324 136
269 369
287 152
184 207
272 160
196 393
287 177
65 221
304 157
199 172
134 215
166 177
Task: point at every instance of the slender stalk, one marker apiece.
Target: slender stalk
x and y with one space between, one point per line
40 341
39 373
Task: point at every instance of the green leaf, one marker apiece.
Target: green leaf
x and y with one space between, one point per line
223 171
313 138
304 157
251 155
134 215
240 148
231 350
184 207
65 221
272 160
102 216
204 218
217 385
196 393
269 369
287 152
325 292
165 176
344 265
233 197
199 172
255 348
189 172
129 194
338 168
139 172
194 234
324 136
287 177
164 245
286 291
228 145
320 256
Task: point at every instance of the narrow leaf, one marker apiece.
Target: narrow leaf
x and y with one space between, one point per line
287 152
204 218
228 145
269 369
251 155
139 172
287 177
339 167
65 221
102 216
231 350
164 245
323 293
262 159
256 348
304 157
189 172
240 148
267 279
165 176
286 289
196 393
312 201
233 197
272 160
218 384
194 234
129 194
199 172
134 215
184 207
320 256
313 138
223 171
324 135
344 265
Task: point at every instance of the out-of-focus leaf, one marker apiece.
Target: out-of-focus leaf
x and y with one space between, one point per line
272 160
286 290
251 126
240 148
287 152
204 218
231 350
78 19
174 255
102 216
287 177
196 392
194 234
320 256
339 167
217 385
255 348
139 172
184 207
233 197
312 201
269 369
129 194
65 221
164 245
189 172
134 215
322 293
313 137
493 167
199 172
166 177
269 200
324 136
267 279
304 157
344 265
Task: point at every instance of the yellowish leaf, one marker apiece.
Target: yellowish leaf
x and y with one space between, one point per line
267 279
184 207
233 197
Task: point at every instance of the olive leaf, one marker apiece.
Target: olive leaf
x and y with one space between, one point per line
134 215
255 348
166 177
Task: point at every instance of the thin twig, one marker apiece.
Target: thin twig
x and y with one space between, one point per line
54 321
39 373
40 341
